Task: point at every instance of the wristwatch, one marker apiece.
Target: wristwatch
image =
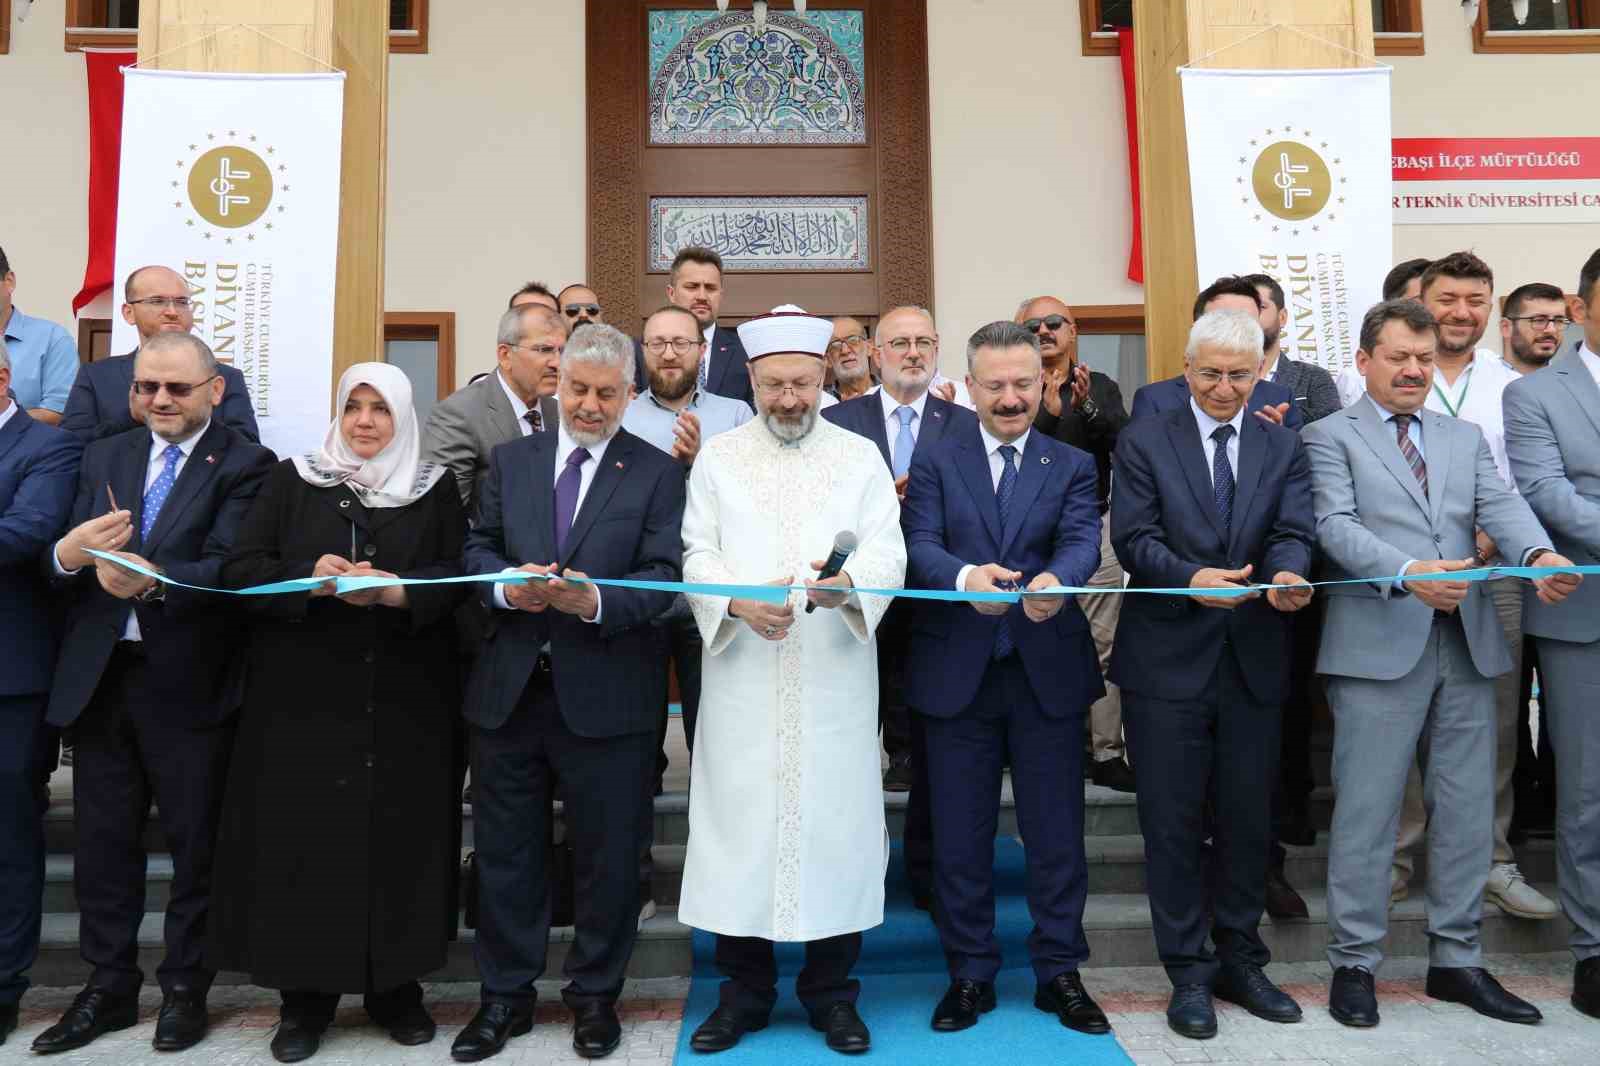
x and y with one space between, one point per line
156 593
1089 408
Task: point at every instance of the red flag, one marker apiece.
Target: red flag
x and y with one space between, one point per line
1130 102
105 160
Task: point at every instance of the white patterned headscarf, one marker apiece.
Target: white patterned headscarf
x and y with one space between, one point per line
394 477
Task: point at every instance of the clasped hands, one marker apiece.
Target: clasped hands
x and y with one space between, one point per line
772 621
1281 598
992 577
334 567
559 591
1446 595
106 533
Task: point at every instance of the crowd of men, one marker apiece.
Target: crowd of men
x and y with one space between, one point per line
739 457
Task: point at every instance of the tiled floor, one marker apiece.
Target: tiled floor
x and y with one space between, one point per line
1415 1030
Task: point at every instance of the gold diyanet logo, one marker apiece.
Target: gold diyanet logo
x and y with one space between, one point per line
1290 182
231 187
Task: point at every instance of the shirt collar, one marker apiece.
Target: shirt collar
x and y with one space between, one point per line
1208 425
708 333
518 408
159 444
991 443
9 413
16 323
694 402
1389 416
891 405
1589 358
565 446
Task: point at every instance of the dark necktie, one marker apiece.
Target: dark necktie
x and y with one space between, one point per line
1408 448
157 493
532 417
1222 476
567 494
1003 644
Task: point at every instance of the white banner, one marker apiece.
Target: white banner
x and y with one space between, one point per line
233 181
1290 176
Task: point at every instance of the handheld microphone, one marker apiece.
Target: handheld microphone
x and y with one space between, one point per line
844 542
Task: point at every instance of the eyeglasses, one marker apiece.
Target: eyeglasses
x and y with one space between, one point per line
178 390
855 340
1234 377
543 351
1541 323
679 345
775 389
1050 322
177 303
574 310
902 345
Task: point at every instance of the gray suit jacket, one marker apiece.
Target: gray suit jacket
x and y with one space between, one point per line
465 427
1553 442
1372 519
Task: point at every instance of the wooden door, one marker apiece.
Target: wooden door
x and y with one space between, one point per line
822 202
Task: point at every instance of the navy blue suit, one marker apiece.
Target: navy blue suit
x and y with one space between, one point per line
38 469
153 716
97 406
1031 703
1173 394
725 373
553 697
1203 687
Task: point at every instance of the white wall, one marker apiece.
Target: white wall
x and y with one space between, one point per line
487 159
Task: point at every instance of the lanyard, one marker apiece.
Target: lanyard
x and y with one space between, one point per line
1454 408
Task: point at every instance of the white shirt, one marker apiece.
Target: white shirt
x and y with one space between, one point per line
1475 397
991 448
518 408
1591 361
8 413
891 421
152 470
1208 426
565 446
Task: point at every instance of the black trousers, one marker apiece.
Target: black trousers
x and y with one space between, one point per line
903 734
125 754
317 1009
27 755
680 639
750 965
1533 782
515 769
1292 797
1217 751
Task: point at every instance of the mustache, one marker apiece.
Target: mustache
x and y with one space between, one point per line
1005 412
1413 381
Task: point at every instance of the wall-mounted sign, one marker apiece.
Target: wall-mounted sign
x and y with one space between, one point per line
1518 180
763 232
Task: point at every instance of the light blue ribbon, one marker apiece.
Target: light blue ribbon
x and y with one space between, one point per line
779 593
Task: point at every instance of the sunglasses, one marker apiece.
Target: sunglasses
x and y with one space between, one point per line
574 310
1050 322
178 390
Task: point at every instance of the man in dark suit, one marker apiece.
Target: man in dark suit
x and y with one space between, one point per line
1268 399
1207 497
696 286
148 682
989 507
38 469
155 300
1310 385
903 418
566 688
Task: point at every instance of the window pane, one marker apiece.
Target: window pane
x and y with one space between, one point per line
420 361
1120 357
1380 19
122 14
1114 14
400 14
1542 15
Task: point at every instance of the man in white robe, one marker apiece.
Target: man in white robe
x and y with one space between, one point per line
787 840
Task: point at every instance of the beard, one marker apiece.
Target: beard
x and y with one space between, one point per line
1527 351
664 388
791 428
585 436
851 376
1269 342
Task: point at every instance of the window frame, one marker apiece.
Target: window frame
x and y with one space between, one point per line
1108 318
436 326
1095 43
80 34
1390 43
88 330
1535 42
5 26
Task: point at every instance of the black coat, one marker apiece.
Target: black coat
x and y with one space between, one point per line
339 841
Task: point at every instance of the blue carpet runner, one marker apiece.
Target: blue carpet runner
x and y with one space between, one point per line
902 974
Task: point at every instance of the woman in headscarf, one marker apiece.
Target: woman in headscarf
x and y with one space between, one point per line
338 849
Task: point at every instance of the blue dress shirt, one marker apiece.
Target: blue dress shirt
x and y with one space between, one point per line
44 362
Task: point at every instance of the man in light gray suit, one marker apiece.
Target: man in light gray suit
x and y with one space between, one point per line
514 401
1552 420
1400 491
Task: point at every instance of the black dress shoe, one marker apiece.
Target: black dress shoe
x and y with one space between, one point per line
1190 1012
8 1021
1352 997
1476 988
595 1030
486 1034
182 1022
1585 988
94 1011
963 1001
297 1038
1283 902
723 1028
1066 998
899 775
412 1026
1247 987
1115 774
845 1030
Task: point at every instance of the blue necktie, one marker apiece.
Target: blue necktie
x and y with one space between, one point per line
905 443
1222 476
159 489
1003 644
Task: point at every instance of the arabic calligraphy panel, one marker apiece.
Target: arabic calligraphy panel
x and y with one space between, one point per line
763 232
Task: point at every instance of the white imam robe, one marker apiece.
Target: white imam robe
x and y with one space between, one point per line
787 839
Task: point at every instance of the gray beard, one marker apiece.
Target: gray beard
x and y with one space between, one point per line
791 432
586 438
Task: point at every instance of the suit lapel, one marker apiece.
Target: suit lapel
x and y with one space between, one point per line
613 465
1569 369
1252 455
13 430
973 463
127 480
197 471
1030 479
871 419
502 420
1184 433
1380 437
549 414
533 486
934 423
719 360
1438 438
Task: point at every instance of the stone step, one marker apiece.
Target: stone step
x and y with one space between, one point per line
1117 926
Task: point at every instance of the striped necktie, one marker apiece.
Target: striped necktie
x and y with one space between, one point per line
1408 448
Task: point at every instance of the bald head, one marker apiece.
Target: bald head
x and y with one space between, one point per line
1058 344
156 300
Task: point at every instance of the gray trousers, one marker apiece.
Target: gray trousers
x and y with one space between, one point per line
1444 710
1105 714
1571 674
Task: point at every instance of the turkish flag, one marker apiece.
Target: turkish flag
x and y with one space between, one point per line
105 159
1130 103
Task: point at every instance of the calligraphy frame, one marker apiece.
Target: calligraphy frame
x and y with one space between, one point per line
663 247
